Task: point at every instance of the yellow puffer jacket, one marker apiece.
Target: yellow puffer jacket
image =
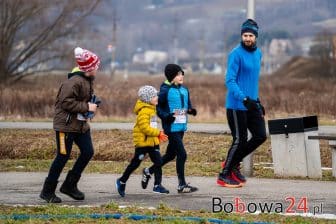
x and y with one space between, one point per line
145 131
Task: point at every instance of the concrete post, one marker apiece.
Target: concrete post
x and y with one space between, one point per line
248 160
250 9
332 144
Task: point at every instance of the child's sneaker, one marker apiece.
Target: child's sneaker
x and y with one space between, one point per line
186 189
120 187
237 175
227 181
160 189
145 178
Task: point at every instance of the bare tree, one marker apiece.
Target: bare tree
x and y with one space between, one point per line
324 50
32 33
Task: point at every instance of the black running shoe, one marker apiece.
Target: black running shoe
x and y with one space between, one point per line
145 179
186 189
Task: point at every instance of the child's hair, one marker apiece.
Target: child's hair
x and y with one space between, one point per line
147 93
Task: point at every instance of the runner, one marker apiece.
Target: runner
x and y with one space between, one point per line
243 108
75 105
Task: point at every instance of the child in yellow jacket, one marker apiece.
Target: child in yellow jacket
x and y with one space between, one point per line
146 138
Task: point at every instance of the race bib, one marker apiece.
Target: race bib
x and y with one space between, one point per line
180 116
153 122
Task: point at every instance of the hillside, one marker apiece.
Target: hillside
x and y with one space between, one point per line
301 67
152 24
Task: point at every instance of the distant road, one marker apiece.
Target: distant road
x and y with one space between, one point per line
193 127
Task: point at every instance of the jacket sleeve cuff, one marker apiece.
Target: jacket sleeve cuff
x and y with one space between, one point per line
84 107
242 97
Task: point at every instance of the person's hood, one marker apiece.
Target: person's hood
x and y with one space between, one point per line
140 105
77 71
167 84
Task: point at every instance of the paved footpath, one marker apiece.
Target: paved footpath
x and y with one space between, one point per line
195 127
212 128
24 188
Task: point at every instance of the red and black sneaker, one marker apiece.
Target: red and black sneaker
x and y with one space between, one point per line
227 181
238 176
223 164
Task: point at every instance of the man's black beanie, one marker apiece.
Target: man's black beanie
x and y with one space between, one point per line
250 26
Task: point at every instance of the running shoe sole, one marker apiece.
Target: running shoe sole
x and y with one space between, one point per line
223 184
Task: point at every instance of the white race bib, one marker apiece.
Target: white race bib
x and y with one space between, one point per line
153 122
180 116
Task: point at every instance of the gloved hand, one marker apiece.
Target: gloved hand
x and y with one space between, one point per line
94 100
170 118
250 104
262 108
163 137
192 111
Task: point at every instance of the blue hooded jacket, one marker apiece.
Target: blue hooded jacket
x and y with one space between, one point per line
173 97
242 77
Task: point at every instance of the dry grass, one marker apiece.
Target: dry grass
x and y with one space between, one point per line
33 151
110 145
34 97
115 145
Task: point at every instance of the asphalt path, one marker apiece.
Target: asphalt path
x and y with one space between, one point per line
24 187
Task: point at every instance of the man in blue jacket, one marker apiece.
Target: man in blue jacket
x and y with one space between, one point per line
244 111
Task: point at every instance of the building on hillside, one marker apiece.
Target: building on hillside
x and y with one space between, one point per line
275 54
150 57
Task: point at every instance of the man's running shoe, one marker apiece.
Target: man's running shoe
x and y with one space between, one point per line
227 181
237 175
223 164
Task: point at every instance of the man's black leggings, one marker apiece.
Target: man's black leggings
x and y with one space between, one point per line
239 122
64 142
139 155
176 149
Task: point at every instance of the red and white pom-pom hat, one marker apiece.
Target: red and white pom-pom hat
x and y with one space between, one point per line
86 60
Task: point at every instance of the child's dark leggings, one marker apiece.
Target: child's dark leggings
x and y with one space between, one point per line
176 149
155 156
64 142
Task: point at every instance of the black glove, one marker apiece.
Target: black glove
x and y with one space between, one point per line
170 118
250 104
192 111
262 108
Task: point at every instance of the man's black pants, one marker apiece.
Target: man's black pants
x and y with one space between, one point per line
139 155
64 142
239 122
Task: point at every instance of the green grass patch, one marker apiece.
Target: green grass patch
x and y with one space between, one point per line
162 211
